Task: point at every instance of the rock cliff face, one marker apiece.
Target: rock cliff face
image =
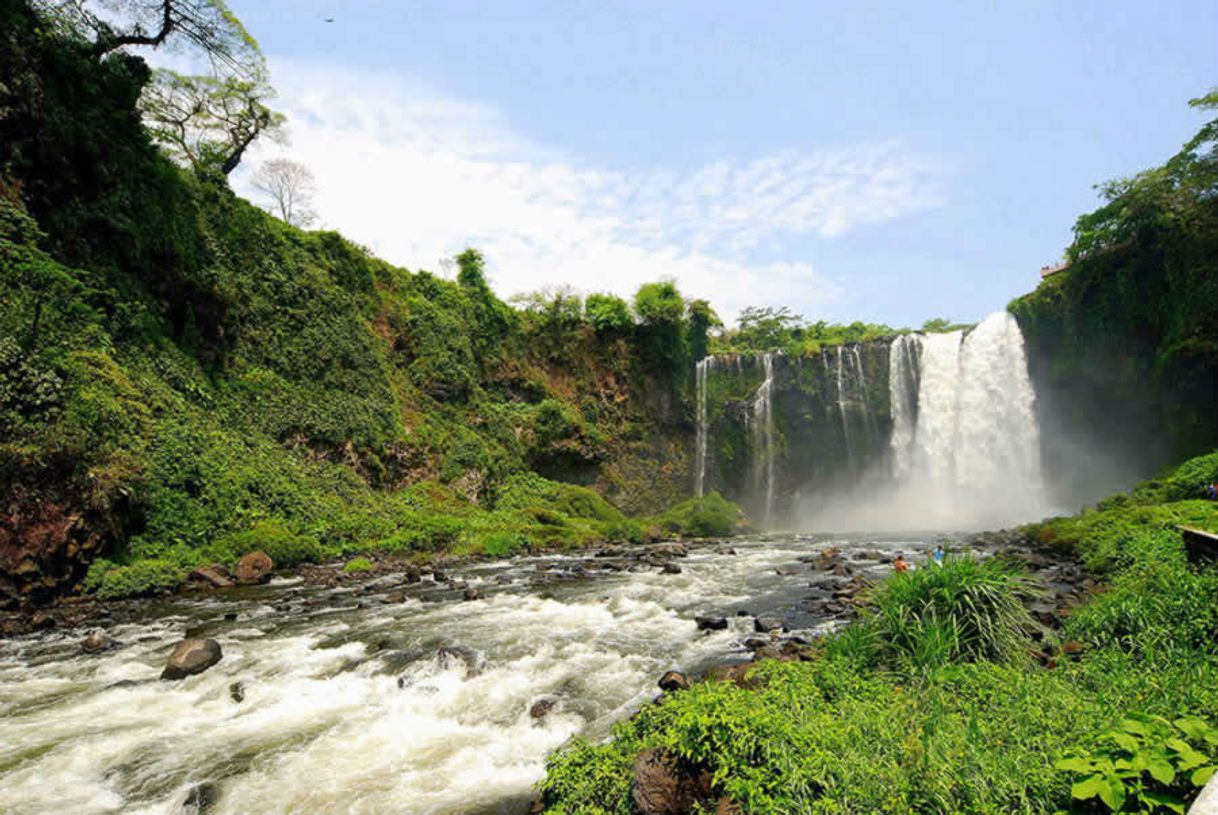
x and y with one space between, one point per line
47 539
777 426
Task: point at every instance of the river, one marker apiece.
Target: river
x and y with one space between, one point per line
349 703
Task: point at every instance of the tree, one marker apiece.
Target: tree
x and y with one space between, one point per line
205 121
662 332
702 318
290 186
762 328
607 313
208 122
206 26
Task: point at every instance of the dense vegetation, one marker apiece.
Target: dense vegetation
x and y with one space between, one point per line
932 702
184 378
1125 342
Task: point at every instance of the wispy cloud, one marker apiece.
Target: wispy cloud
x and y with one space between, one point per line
418 177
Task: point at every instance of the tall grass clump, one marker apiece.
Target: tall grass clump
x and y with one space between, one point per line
966 610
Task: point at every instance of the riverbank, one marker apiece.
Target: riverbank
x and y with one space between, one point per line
906 712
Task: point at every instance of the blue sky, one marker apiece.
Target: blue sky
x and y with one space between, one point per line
886 161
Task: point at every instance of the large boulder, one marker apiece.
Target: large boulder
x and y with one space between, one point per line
215 576
666 785
190 657
256 567
673 680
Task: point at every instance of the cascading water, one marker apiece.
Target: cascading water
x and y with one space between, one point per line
903 399
761 430
700 372
972 454
842 407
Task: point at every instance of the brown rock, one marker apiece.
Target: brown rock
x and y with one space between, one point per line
666 785
95 643
190 657
216 576
541 708
674 680
736 674
256 567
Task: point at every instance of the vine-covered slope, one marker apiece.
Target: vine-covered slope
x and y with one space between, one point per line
184 378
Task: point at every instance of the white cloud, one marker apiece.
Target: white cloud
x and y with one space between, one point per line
418 177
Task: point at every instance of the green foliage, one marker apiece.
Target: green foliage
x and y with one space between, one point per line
357 565
607 313
829 737
1129 324
965 610
1145 764
138 579
710 516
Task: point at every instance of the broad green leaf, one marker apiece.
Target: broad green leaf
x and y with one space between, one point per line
1132 725
1074 764
1160 769
1162 799
1194 728
1112 793
1124 740
1088 787
1202 775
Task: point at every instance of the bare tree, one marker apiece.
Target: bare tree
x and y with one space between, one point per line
290 187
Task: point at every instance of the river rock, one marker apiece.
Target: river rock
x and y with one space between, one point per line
236 691
670 568
201 798
763 625
674 680
472 594
190 657
665 785
256 567
215 576
711 623
96 642
395 597
736 673
542 707
453 655
787 571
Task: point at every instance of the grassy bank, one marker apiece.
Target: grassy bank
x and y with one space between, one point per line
529 514
934 702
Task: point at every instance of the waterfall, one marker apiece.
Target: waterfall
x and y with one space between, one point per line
761 430
902 396
975 448
841 408
700 443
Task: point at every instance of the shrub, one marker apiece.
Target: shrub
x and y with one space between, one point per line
962 611
505 544
607 313
356 565
1145 764
710 516
284 546
143 577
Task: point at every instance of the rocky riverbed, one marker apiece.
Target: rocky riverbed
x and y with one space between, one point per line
435 689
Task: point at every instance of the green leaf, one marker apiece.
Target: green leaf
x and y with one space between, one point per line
1112 793
1161 799
1160 769
1075 764
1138 725
1202 775
1194 728
1088 787
1123 740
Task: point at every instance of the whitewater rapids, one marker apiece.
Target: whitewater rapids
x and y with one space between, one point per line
349 703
